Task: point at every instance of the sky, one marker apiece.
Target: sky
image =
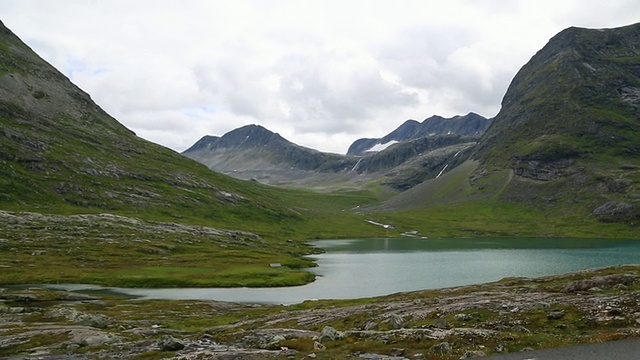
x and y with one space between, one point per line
320 73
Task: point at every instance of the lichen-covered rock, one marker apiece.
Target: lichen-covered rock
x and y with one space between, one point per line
473 354
603 282
94 320
330 334
614 211
441 348
463 317
396 321
169 343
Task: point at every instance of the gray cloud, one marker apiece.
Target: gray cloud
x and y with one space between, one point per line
335 93
320 73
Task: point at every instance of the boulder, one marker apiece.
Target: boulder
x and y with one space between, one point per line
441 348
169 343
94 320
330 334
463 317
443 324
396 321
614 211
555 315
473 354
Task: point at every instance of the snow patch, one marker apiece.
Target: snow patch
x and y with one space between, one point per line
356 165
380 147
386 226
443 169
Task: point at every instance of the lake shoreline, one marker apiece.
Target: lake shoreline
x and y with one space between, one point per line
400 265
499 317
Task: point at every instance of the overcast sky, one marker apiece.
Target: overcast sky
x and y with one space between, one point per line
321 73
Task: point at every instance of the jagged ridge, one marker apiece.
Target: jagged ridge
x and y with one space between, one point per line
470 125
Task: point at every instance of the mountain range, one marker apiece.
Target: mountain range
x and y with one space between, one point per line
403 158
565 141
566 137
470 125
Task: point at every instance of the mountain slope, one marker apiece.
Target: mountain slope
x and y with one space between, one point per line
570 122
470 125
253 152
581 91
566 138
60 152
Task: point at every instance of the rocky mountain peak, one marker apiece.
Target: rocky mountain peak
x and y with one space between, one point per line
471 124
248 136
577 95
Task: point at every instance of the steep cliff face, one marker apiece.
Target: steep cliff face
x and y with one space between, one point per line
570 122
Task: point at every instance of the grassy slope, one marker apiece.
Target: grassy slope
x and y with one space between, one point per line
450 206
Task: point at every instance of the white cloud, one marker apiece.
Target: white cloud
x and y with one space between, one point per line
321 73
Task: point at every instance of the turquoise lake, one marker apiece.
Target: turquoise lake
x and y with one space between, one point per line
371 267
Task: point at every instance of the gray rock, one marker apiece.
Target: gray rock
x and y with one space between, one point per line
330 334
613 211
463 317
441 348
443 324
169 343
371 325
94 320
473 354
396 321
555 315
276 339
602 282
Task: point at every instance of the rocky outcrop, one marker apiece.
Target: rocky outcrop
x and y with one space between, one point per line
615 211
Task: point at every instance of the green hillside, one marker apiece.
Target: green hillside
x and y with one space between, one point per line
569 126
